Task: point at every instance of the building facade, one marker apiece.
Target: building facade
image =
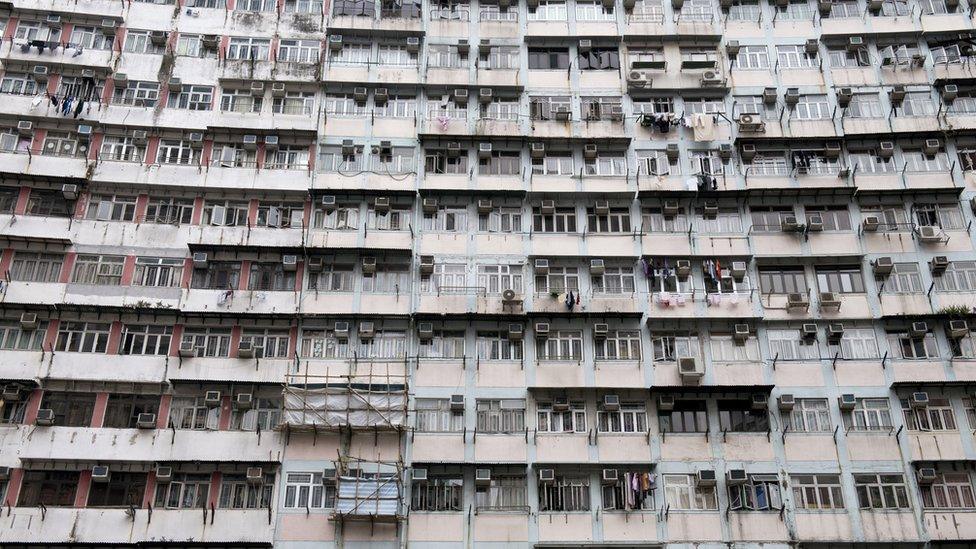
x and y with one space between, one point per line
560 273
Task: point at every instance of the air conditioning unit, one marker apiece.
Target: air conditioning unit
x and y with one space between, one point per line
855 43
671 208
381 96
250 142
589 151
413 44
187 350
457 403
484 150
25 127
429 205
541 266
601 207
832 149
710 210
958 328
463 46
789 223
897 94
509 296
11 393
460 96
146 421
769 96
195 138
485 95
741 332
815 223
418 475
929 233
672 151
711 78
682 268
425 330
585 45
609 476
735 477
871 223
100 473
212 398
846 402
739 270
792 96
597 266
348 146
611 403
886 149
808 331
926 475
45 417
244 401
542 329
210 41
515 332
157 37
939 264
485 206
638 80
547 476
164 474
600 330
175 84
381 204
315 264
28 321
732 48
140 136
369 265
786 402
919 399
341 330
725 151
665 402
829 300
706 477
812 46
69 191
366 330
254 475
277 89
482 477
918 330
797 301
748 152
335 42
950 92
245 349
560 404
690 370
40 73
835 332
257 89
120 80
844 96
360 94
759 401
453 149
426 265
200 260
931 147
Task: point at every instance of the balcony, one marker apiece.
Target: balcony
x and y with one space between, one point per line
950 526
239 301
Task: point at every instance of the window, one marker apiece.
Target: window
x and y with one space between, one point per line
739 416
817 492
599 59
385 344
869 414
160 272
501 109
495 279
569 420
8 199
657 163
908 347
271 277
554 163
228 213
189 45
619 345
137 94
937 416
783 281
351 54
15 338
631 490
178 152
795 56
834 218
844 280
122 149
175 211
497 346
630 417
434 415
193 413
308 491
240 101
856 344
48 488
944 216
437 493
548 59
287 157
769 219
36 267
343 217
236 492
560 220
810 415
606 164
501 415
613 281
441 162
566 494
137 41
146 339
865 105
881 491
959 276
683 493
397 107
549 10
63 144
293 102
121 490
669 348
905 278
18 83
502 57
443 345
446 219
617 220
323 344
70 409
560 345
447 277
101 270
752 58
45 202
444 57
111 207
759 493
949 491
687 416
207 342
264 415
390 278
184 491
298 51
82 337
248 48
789 344
724 348
194 98
505 492
812 107
267 343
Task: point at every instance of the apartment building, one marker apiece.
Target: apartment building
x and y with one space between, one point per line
483 273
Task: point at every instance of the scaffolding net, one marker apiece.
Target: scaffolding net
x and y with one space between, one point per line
369 490
346 401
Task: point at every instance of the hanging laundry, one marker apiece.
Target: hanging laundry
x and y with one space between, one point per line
704 127
569 300
81 105
36 101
